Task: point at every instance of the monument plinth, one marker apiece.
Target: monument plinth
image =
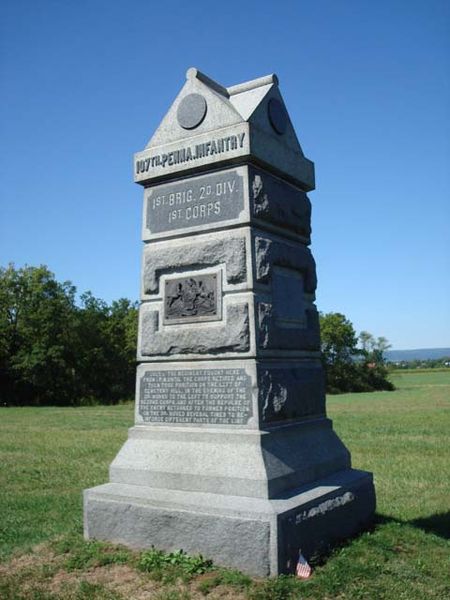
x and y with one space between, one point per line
232 455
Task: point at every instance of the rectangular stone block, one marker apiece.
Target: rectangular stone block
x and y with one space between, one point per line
247 257
207 524
270 251
183 156
277 338
225 252
197 393
178 276
207 201
279 205
229 393
284 275
290 391
212 394
338 509
260 537
233 335
219 199
228 458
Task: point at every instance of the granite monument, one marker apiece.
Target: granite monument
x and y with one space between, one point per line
232 454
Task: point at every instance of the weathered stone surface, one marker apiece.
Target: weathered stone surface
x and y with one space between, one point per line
290 464
279 203
317 525
239 195
221 113
289 299
270 252
273 337
278 116
237 124
231 460
232 336
196 458
290 391
258 536
282 392
120 517
166 257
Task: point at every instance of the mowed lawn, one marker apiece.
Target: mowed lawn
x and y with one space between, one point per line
403 437
49 455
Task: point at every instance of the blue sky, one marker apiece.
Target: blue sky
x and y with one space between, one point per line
367 84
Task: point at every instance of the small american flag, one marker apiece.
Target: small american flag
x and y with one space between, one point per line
303 570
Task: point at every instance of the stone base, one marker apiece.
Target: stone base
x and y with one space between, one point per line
255 535
233 461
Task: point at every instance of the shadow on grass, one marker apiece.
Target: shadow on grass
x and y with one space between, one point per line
438 524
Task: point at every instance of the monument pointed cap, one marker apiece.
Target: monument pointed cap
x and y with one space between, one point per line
210 125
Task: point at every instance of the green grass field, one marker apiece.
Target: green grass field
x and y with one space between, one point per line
49 455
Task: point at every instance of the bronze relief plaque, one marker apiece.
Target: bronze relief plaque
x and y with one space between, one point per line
192 299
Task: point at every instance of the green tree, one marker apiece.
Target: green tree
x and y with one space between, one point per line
123 331
373 367
36 353
379 347
53 351
107 339
347 367
366 340
339 348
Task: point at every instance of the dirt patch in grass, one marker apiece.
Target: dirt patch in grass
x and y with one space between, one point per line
221 592
44 574
29 575
122 580
40 556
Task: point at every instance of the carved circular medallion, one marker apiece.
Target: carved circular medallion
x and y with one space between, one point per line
277 115
191 111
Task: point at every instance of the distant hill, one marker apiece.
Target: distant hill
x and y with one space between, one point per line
419 354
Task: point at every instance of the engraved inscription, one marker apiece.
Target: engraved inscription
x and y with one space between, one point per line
213 396
189 153
324 507
197 201
195 298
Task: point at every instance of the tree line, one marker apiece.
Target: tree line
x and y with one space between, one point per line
56 349
428 363
352 363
